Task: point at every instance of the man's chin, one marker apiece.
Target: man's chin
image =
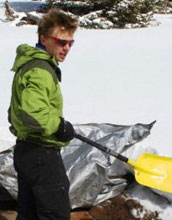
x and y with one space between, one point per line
61 59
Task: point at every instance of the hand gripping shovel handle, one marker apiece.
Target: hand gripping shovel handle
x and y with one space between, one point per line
101 147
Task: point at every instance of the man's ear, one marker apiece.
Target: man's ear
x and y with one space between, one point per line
42 39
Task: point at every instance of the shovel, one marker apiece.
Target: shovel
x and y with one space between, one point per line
150 170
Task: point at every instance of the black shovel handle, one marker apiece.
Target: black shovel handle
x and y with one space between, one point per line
101 147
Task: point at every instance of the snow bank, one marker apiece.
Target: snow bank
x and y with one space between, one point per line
7 140
116 76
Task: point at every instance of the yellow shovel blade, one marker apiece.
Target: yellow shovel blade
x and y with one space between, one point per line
153 171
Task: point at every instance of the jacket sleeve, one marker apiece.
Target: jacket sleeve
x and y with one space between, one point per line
37 113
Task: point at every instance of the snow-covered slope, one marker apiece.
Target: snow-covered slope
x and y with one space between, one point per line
115 76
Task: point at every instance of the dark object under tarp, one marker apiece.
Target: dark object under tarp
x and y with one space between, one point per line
7 202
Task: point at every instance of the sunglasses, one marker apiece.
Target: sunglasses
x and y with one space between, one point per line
61 42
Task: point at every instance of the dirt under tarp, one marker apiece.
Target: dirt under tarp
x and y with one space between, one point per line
107 210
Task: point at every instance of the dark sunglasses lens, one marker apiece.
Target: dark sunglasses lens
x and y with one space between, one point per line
64 42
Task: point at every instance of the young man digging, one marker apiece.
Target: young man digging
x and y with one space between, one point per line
36 117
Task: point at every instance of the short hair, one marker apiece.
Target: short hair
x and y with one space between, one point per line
57 18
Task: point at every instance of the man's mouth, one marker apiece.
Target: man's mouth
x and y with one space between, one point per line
63 54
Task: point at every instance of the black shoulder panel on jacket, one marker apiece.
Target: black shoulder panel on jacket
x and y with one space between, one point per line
41 64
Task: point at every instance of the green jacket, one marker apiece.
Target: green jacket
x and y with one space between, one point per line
36 101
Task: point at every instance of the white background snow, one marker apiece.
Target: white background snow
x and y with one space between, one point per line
115 76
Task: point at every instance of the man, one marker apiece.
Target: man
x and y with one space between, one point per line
36 119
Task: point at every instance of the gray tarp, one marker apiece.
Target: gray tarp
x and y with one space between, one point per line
94 176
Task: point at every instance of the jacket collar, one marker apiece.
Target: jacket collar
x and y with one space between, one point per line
58 71
40 46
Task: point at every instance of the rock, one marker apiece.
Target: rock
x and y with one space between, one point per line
83 215
8 215
11 215
29 19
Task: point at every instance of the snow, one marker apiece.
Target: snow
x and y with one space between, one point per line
151 201
120 76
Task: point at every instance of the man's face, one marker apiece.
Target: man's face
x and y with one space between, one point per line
54 46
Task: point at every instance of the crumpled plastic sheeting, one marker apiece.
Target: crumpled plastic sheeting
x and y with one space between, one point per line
8 178
94 175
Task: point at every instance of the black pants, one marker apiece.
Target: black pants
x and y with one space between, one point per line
42 183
